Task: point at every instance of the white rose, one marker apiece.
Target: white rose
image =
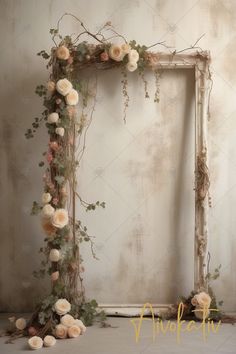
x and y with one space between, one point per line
201 313
60 218
126 48
202 300
80 324
116 53
67 320
35 342
133 55
61 331
54 255
20 324
46 198
51 86
63 52
72 98
62 306
131 66
48 210
64 86
55 276
53 117
74 331
60 131
49 341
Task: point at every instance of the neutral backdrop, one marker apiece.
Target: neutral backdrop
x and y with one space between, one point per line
143 170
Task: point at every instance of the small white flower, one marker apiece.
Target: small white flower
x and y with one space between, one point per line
73 331
60 131
64 86
62 306
60 218
53 117
54 255
131 66
67 320
72 98
80 324
46 198
49 341
20 323
48 210
35 342
116 53
63 52
133 55
61 331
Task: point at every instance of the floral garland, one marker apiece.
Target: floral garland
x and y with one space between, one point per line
69 106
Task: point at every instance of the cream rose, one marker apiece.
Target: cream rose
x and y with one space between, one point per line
62 306
202 300
80 324
116 53
72 98
60 218
60 131
53 118
54 255
201 313
49 341
20 323
63 52
133 55
48 210
74 331
131 66
125 48
64 86
46 198
35 342
67 320
55 276
51 86
61 331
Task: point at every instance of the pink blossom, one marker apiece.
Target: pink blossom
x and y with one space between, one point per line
70 60
49 157
58 101
104 56
55 201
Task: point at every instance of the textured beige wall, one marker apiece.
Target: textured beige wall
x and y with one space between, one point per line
24 31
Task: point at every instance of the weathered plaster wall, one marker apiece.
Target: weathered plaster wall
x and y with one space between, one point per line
24 31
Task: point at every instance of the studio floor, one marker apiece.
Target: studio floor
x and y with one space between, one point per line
120 339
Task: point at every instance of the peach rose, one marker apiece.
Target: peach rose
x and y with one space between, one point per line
60 218
63 53
116 53
60 131
49 341
53 117
20 323
48 228
48 210
54 255
61 331
80 324
64 86
72 98
35 342
202 300
62 306
131 66
74 331
67 320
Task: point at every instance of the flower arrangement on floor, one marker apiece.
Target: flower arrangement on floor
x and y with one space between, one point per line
69 103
